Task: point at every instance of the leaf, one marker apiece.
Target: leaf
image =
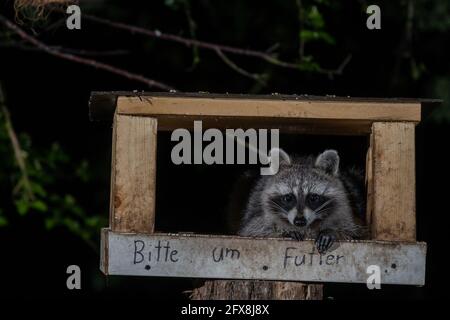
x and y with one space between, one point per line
72 225
22 206
82 171
417 70
314 18
69 200
308 64
93 221
37 189
39 205
3 221
77 210
50 223
310 35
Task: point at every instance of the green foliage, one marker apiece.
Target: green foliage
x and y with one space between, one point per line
312 29
43 189
308 36
417 70
314 18
3 220
308 64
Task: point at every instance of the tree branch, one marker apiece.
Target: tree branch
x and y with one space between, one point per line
82 52
266 56
339 70
192 42
238 69
71 57
175 38
18 152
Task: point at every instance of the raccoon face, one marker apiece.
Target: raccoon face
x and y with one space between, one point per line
305 190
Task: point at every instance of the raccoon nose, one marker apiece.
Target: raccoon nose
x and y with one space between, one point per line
300 222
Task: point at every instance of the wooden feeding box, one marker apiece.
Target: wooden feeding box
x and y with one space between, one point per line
130 246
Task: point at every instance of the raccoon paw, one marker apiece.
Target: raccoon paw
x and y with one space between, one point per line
325 241
296 235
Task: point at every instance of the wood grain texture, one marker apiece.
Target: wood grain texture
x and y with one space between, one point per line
104 251
285 125
263 108
394 201
133 174
256 290
102 105
276 259
369 181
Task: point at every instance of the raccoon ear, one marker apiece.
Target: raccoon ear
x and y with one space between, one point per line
282 155
328 161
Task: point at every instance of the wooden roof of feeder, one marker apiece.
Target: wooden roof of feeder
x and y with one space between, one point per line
331 114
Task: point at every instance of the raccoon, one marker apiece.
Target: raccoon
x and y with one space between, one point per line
310 198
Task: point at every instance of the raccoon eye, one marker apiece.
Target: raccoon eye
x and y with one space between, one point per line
288 199
314 199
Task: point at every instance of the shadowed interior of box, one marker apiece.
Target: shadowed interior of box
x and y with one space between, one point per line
196 198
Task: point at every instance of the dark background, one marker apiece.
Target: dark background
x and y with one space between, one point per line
48 101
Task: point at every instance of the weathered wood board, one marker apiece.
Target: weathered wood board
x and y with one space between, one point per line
133 172
315 116
224 257
393 215
216 107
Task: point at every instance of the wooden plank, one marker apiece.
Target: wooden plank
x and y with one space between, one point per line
394 201
257 290
264 108
369 181
103 104
285 125
104 250
133 174
225 257
242 96
113 173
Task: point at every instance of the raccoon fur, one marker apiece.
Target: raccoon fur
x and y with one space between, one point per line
308 198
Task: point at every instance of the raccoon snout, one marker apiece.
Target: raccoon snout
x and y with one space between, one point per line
300 221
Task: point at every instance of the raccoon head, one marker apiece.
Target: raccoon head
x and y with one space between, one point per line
305 190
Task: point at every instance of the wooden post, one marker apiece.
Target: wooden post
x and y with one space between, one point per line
393 181
257 290
369 182
133 174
